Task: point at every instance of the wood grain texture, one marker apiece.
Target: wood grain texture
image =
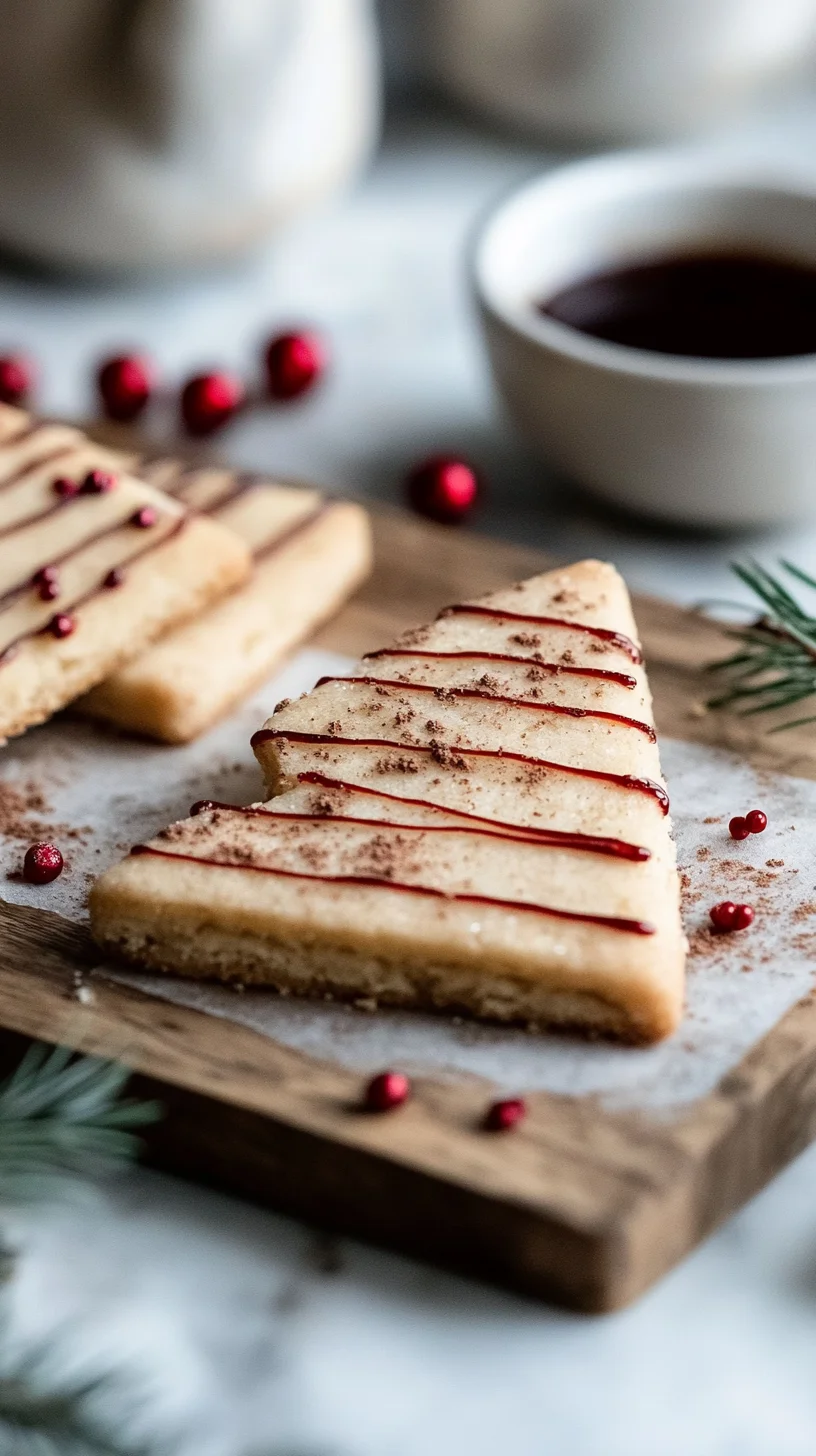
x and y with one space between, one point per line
580 1205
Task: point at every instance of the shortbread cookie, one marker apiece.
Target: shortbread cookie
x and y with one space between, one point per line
94 565
309 555
476 822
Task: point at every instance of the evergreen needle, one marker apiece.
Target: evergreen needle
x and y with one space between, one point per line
776 664
63 1118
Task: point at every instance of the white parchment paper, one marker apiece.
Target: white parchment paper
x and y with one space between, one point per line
95 793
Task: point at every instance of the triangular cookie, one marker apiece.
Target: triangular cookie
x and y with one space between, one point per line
476 823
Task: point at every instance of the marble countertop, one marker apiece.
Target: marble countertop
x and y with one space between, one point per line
236 1333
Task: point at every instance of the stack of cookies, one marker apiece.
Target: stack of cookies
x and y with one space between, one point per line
157 599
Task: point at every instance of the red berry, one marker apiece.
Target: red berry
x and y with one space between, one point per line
125 385
65 487
294 363
738 827
722 915
48 591
61 626
45 573
387 1090
208 401
743 917
443 489
728 916
16 379
42 864
505 1115
114 578
756 821
145 518
98 482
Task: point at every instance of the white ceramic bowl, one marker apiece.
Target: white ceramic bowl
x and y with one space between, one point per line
700 442
623 69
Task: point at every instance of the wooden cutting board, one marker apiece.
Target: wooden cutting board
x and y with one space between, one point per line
581 1205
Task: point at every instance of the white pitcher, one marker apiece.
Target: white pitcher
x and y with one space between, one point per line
169 131
614 69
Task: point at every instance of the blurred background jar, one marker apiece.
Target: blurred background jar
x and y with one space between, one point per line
609 70
176 131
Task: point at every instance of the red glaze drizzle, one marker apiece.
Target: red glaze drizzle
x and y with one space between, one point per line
18 590
622 781
607 922
59 504
57 452
242 482
559 708
10 650
602 634
296 529
622 678
488 828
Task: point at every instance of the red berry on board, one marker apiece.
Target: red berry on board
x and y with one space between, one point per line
505 1115
125 384
48 590
144 518
743 917
738 827
42 864
756 821
16 379
45 573
386 1091
294 364
114 578
208 401
98 482
722 915
443 489
65 487
61 626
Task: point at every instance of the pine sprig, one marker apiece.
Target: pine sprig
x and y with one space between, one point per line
775 666
63 1120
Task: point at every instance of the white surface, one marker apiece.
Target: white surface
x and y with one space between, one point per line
390 1358
118 793
689 441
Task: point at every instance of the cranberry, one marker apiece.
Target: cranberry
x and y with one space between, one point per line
386 1091
294 364
727 916
505 1115
738 827
98 482
61 626
48 590
756 821
16 379
114 578
209 401
443 489
125 385
42 864
722 915
45 573
65 487
144 518
743 917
